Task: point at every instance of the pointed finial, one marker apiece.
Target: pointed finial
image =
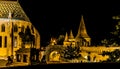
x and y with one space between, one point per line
66 37
82 19
71 35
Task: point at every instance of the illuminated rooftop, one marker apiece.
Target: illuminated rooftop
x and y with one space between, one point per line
14 7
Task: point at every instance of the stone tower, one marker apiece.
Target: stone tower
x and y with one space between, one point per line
69 39
82 38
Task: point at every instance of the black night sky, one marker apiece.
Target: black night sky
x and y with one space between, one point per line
54 19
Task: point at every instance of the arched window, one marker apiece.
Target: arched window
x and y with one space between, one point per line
15 41
15 28
22 28
3 28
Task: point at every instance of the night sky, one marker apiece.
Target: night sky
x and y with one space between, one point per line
53 19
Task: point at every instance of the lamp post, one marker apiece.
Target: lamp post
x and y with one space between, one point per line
12 39
12 34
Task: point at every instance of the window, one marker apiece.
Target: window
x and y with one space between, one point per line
5 41
15 28
3 28
0 41
18 58
22 28
24 58
15 41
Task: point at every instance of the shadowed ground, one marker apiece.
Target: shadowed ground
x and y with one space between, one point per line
3 63
67 66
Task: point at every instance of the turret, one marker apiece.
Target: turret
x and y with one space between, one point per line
71 35
82 37
66 37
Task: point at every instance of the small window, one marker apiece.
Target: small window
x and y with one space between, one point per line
15 41
25 58
0 41
5 41
3 28
15 28
18 58
22 28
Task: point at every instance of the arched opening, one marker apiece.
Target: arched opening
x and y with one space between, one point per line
15 28
54 56
3 28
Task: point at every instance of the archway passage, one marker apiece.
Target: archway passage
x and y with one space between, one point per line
53 53
54 56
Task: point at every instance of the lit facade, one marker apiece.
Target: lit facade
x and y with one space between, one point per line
13 20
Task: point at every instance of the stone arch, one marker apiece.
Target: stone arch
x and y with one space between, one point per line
51 49
54 56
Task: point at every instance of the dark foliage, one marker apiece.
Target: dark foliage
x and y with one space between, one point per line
113 56
43 59
60 40
71 52
113 37
27 36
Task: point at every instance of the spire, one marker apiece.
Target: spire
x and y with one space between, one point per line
66 37
82 32
71 35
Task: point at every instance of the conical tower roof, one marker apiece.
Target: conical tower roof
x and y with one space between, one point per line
14 7
71 35
66 37
82 32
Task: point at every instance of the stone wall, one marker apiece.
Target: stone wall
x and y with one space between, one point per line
95 53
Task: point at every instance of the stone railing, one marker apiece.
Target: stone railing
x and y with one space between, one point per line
99 49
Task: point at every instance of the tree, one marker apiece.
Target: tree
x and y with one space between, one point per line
60 40
43 59
116 34
27 36
114 37
71 52
113 56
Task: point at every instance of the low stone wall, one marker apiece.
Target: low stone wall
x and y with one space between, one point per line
99 49
96 52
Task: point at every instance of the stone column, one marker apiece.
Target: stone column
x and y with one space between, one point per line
21 56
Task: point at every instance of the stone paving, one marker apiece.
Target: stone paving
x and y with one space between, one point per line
3 63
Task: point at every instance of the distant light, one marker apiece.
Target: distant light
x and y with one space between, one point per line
116 17
85 57
113 17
